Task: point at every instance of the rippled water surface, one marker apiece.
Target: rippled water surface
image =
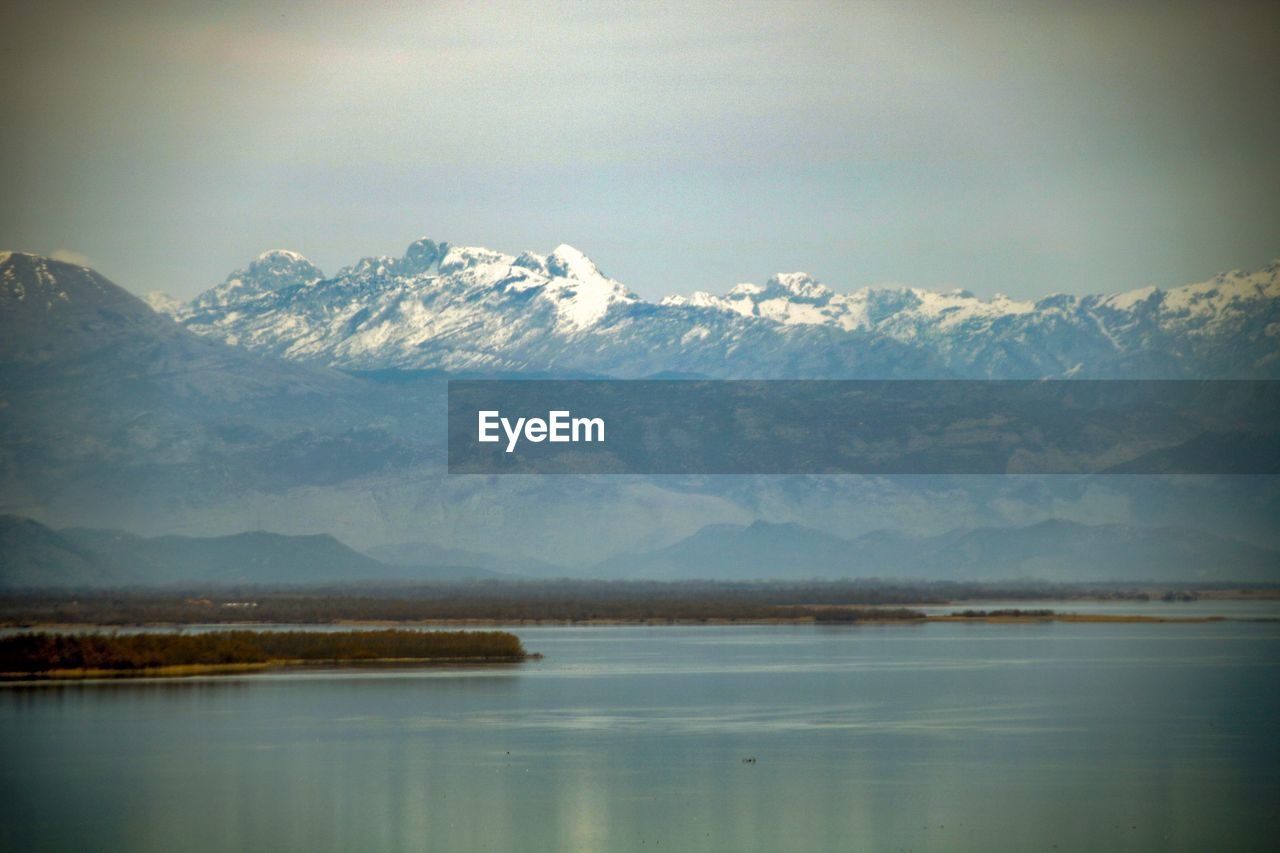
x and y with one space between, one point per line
927 737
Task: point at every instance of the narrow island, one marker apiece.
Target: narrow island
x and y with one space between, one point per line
50 655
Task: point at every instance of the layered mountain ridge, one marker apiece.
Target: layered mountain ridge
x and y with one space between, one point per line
469 308
32 556
115 416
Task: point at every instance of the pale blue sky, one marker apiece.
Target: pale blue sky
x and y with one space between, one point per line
1016 147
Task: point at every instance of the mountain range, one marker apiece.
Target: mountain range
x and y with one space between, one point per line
287 401
461 308
32 556
1048 550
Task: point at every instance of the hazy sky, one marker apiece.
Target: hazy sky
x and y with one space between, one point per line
1015 147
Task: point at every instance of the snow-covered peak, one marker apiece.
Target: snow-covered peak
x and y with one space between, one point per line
581 294
697 299
1226 298
278 268
422 256
743 290
1223 290
162 303
799 299
788 298
459 258
568 262
800 285
960 306
1127 300
272 270
280 256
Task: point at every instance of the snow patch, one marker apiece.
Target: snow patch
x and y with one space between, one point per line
581 295
162 303
1126 301
282 254
801 285
697 333
568 262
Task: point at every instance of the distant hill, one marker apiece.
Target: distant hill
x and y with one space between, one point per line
1058 549
33 556
757 551
1049 550
436 556
108 407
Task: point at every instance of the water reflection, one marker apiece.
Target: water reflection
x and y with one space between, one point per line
948 737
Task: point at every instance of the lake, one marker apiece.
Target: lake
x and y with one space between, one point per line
941 736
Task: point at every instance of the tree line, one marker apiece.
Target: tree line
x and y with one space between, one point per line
43 652
512 601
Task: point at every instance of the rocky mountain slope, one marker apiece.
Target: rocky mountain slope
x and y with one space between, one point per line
102 400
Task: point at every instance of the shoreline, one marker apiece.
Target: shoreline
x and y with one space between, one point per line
1118 618
189 670
195 670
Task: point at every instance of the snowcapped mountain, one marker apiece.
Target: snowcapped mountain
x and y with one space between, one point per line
467 308
1227 326
112 415
796 298
270 271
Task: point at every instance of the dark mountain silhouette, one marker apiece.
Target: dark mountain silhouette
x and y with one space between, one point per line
33 556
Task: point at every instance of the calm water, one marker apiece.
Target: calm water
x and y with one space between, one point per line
928 737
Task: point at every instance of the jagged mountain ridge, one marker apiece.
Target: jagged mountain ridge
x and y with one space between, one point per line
473 309
466 308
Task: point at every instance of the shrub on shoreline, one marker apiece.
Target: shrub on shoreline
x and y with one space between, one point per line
44 652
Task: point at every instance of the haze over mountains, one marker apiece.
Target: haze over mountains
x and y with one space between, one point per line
287 401
1049 550
32 556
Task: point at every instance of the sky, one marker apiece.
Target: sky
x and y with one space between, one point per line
1019 147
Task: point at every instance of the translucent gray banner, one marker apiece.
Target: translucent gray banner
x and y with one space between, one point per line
863 427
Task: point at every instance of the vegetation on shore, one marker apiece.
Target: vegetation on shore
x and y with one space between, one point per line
518 601
1006 613
845 615
35 653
